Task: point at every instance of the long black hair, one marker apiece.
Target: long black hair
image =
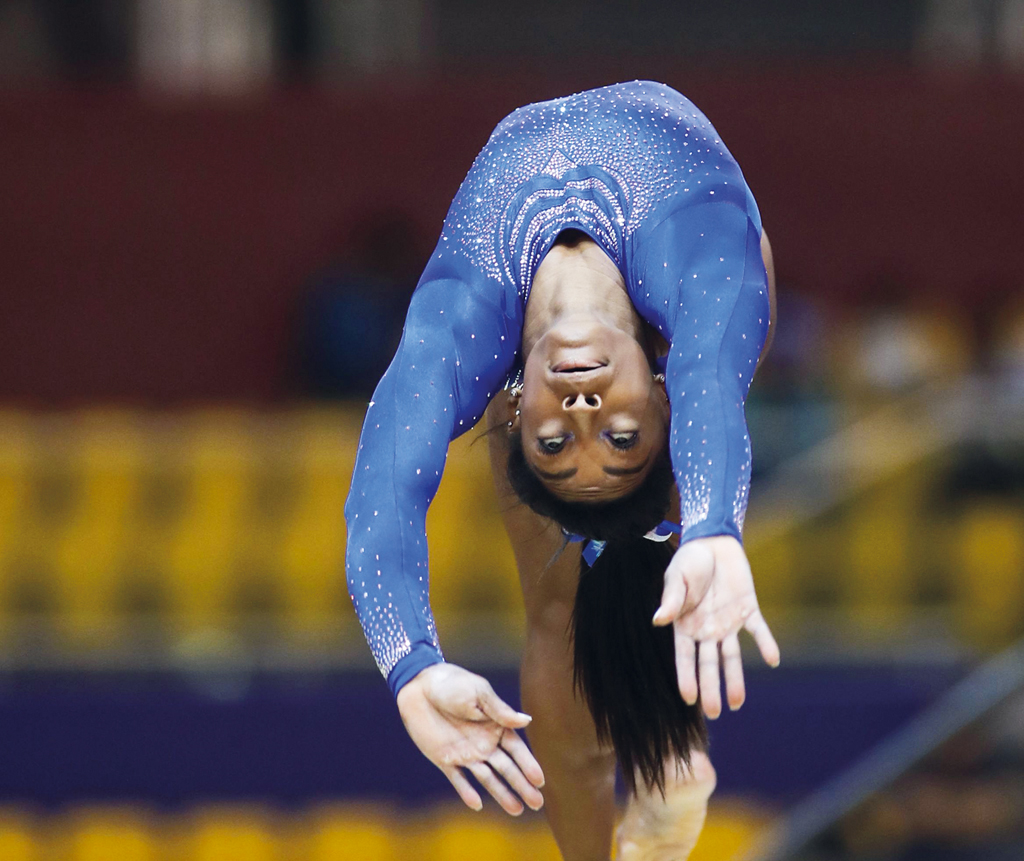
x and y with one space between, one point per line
623 666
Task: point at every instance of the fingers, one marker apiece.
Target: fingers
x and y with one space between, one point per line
707 667
465 789
503 764
762 635
523 758
492 783
732 668
686 580
673 597
499 711
686 668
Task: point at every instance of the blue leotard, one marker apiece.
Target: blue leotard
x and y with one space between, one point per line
641 171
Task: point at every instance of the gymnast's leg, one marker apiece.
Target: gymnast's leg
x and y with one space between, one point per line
666 829
580 790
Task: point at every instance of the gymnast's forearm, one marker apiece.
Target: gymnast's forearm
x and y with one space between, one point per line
705 265
396 475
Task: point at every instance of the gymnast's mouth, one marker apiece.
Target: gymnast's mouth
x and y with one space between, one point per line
577 366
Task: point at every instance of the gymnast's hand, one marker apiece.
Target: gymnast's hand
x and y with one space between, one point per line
458 721
709 597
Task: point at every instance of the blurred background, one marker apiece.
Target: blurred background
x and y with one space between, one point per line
212 215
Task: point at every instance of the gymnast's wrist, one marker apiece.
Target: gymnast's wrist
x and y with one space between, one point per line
412 665
711 528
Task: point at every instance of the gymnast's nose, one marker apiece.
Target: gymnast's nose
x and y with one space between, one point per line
581 403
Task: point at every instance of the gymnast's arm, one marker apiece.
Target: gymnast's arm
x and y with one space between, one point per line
707 288
449 361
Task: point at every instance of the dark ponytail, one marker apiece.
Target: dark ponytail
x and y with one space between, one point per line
623 666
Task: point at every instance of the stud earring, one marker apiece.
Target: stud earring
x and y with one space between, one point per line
659 378
516 391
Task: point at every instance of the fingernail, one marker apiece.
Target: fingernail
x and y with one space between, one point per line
524 717
657 616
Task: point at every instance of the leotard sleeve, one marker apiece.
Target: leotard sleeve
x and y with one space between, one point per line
455 351
700 280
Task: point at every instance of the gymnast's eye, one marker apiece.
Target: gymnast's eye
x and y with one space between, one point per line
623 439
553 444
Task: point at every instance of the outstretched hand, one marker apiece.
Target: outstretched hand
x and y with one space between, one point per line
458 721
708 598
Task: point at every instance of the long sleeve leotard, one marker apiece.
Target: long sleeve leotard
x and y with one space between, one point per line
641 171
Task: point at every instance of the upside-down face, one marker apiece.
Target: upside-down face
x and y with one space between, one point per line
592 416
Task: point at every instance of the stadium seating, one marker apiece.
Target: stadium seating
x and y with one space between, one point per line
114 523
333 833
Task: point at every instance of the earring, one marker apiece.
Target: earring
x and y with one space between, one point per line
516 391
659 378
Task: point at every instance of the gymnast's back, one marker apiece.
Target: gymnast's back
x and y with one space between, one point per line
610 162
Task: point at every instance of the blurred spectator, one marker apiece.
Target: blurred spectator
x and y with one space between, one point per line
296 37
80 41
218 45
351 319
1010 34
372 35
997 336
899 340
1008 352
959 33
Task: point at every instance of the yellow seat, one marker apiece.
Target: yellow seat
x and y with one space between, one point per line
879 580
90 549
19 838
231 835
205 548
18 460
773 560
989 580
728 831
348 834
471 563
470 837
311 555
101 835
534 840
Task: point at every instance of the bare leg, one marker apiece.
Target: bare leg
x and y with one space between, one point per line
579 796
656 829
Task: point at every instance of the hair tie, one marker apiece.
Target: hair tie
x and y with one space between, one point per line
593 548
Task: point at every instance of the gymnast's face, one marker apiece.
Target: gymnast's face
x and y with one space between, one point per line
592 417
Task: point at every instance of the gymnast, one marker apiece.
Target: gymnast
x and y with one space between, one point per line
602 288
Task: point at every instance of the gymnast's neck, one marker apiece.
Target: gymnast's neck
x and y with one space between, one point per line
575 286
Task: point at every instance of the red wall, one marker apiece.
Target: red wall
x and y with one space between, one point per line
151 251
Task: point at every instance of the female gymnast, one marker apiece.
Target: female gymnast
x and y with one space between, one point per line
603 282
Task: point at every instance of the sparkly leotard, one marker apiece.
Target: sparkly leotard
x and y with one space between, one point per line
641 171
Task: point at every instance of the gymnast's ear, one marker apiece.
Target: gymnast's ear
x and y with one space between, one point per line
503 412
663 401
512 398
